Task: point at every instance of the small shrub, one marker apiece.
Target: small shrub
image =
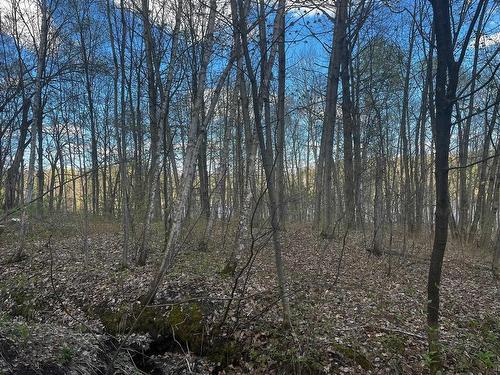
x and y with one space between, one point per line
486 359
65 355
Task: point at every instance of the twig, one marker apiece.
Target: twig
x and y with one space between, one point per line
194 299
474 163
385 329
397 330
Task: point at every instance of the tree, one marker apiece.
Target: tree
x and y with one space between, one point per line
446 82
325 161
196 131
260 102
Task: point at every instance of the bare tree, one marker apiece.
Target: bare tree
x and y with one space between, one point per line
447 72
196 130
265 143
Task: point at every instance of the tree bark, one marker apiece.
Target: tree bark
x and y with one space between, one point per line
157 119
192 150
480 212
464 135
258 101
38 102
407 194
12 193
324 194
421 178
280 133
348 124
445 94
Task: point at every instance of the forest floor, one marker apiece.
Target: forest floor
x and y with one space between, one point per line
352 312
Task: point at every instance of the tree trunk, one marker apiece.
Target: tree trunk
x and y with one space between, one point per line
156 120
480 212
154 127
324 168
495 264
120 134
445 94
464 135
378 209
258 101
407 195
12 193
348 123
38 102
422 176
192 150
280 133
36 128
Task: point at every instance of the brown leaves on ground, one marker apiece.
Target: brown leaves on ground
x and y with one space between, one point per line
352 312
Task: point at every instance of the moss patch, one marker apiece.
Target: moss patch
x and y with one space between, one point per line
18 298
187 325
122 320
182 324
354 355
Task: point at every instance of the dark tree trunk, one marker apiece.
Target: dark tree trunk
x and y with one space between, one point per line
348 125
12 193
38 101
280 134
445 94
324 195
203 175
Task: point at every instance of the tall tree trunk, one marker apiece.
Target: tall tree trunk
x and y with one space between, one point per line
258 101
445 94
324 168
12 193
157 119
378 205
36 129
206 119
464 135
480 211
192 150
408 197
38 102
154 127
85 56
280 133
492 195
120 133
421 177
348 124
247 175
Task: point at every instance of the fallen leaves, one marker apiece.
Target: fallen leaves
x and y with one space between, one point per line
370 318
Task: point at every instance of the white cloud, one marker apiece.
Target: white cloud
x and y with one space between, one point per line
490 40
21 19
